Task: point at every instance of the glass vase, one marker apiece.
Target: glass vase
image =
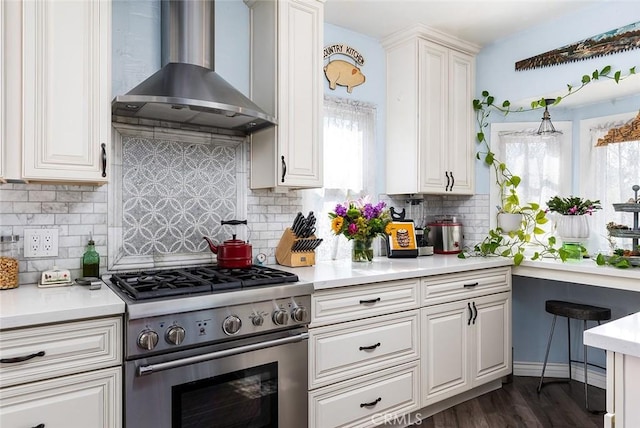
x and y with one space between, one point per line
362 250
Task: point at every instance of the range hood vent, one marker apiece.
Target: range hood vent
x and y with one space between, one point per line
186 91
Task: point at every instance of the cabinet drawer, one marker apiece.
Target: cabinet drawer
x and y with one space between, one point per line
68 348
359 347
361 301
366 401
77 401
444 288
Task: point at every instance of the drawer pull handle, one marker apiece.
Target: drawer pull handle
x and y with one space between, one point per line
471 285
39 426
373 403
369 302
22 359
284 168
369 348
470 313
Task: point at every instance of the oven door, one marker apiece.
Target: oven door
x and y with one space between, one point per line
251 383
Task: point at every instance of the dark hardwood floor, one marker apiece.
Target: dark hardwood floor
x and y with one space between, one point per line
518 404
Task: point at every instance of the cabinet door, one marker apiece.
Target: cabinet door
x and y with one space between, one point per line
491 344
444 350
459 145
433 115
286 81
88 400
66 73
300 92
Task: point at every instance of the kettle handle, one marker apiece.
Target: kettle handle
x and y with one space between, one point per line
233 222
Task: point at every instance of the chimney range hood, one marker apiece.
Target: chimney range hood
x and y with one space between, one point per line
186 91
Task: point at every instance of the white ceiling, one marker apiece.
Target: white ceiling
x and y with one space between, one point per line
477 21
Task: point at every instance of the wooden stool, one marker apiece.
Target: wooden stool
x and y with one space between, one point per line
580 312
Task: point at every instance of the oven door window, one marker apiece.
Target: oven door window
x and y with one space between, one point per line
244 399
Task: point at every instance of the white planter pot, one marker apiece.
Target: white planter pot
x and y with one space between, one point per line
509 222
572 228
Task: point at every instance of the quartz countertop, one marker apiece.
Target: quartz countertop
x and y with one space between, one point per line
583 271
340 273
621 335
29 305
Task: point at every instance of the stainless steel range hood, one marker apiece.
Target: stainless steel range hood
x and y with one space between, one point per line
186 92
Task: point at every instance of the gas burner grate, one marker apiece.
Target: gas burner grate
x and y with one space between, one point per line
164 283
259 275
144 285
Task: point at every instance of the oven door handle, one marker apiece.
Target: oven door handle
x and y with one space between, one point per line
152 368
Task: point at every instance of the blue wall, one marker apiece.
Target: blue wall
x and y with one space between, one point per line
495 73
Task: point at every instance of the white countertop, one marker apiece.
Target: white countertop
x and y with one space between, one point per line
584 271
29 305
621 335
340 273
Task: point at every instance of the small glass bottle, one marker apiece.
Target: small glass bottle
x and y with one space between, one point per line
91 261
9 261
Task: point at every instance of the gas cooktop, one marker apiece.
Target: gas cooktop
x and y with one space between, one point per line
162 283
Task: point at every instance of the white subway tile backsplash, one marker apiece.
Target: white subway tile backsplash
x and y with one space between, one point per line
42 195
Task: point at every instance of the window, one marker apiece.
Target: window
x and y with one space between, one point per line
349 140
607 173
543 162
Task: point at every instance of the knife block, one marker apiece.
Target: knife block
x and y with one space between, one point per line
286 257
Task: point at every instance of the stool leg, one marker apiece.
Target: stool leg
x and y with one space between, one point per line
586 384
569 345
546 355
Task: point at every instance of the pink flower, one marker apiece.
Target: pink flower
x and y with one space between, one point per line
353 229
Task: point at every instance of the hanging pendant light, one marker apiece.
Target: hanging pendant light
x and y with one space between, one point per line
546 127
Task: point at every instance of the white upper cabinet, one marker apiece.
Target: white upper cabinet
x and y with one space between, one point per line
430 118
64 71
286 82
3 127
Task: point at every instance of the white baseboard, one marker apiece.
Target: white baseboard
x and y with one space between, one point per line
560 370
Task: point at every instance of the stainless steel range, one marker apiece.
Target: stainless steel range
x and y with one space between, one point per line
208 347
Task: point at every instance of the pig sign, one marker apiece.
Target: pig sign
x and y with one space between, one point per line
343 73
340 72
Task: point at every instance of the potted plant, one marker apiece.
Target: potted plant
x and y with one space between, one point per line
572 224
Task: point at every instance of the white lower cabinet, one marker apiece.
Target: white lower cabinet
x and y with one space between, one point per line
464 344
367 401
87 400
378 352
623 391
62 375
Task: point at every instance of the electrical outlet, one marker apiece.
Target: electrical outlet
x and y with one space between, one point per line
40 242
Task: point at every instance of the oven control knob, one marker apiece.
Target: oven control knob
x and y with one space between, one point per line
299 314
148 340
231 325
280 317
174 335
257 320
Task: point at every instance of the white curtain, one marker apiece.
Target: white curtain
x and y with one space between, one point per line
612 171
537 160
349 168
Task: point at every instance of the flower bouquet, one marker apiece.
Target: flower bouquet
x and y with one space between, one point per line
360 221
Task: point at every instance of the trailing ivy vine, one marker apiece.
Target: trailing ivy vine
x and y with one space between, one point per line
534 217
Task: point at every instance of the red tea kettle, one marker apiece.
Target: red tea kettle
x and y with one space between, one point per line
232 253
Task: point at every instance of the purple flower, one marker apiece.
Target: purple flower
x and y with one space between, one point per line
341 210
353 228
369 211
573 210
